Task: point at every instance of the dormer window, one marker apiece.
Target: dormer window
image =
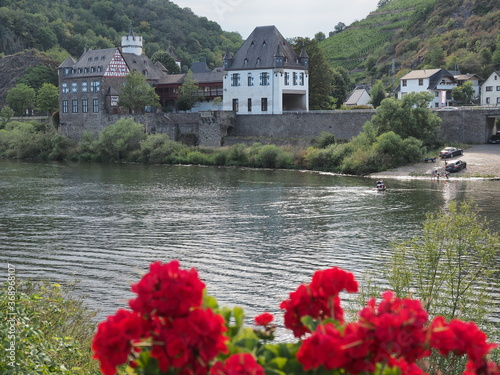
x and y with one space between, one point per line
264 43
89 59
103 57
258 60
245 62
252 44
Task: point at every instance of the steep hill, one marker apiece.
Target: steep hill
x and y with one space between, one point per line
73 25
416 34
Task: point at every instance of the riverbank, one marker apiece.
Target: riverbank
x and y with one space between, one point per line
483 161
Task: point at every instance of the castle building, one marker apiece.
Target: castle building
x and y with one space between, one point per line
89 88
265 76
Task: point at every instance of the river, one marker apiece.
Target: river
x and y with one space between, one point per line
253 235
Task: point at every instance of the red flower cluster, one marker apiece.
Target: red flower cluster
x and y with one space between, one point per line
264 319
238 364
167 291
394 332
167 318
113 341
461 338
319 299
167 314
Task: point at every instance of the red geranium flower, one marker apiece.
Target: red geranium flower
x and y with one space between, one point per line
322 348
113 341
332 281
190 342
167 291
238 364
264 319
461 338
319 299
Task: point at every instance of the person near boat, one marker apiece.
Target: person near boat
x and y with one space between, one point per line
380 185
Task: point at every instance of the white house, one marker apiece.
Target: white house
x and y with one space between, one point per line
490 90
265 76
359 96
439 82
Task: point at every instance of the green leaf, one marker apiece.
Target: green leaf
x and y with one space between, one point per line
279 362
309 322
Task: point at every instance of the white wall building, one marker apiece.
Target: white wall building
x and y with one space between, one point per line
439 82
265 76
490 90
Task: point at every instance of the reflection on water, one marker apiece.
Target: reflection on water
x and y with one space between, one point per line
253 235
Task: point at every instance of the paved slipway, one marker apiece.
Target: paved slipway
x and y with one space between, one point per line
483 161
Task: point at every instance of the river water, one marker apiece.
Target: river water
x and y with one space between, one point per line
253 235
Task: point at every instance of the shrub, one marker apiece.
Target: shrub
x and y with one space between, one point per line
271 156
116 140
237 155
323 140
197 157
53 330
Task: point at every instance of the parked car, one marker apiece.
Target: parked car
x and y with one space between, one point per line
450 152
494 139
456 166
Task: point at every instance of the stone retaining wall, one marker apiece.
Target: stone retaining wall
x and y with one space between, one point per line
217 128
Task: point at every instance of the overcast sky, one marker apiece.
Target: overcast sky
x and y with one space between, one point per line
292 18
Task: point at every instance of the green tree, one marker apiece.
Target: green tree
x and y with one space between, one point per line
377 94
463 94
450 267
188 94
167 61
319 36
47 98
339 27
341 85
408 117
137 93
117 140
320 74
5 114
21 98
35 77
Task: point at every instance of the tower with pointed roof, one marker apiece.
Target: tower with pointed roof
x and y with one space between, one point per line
132 43
265 76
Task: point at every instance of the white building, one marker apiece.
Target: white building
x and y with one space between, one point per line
439 82
265 76
359 96
490 90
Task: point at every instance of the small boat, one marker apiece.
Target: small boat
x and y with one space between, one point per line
381 186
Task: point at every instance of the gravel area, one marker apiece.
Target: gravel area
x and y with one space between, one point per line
483 161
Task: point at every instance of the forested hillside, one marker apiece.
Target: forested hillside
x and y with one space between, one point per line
406 34
73 25
417 34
